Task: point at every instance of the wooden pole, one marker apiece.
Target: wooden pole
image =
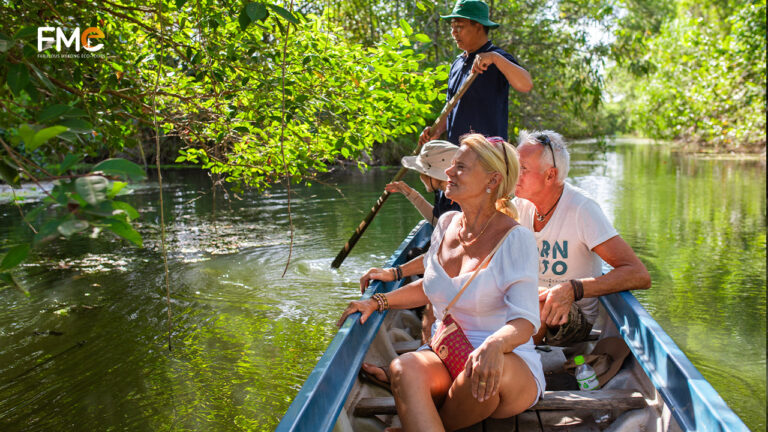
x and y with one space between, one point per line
342 255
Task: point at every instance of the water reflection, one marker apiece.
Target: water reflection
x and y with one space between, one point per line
245 338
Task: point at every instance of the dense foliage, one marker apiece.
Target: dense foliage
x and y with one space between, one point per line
272 91
694 71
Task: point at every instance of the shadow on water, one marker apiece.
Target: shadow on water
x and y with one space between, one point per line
245 339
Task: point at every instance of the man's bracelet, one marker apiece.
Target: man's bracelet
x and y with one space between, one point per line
578 289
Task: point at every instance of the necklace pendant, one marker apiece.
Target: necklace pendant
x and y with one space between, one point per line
540 218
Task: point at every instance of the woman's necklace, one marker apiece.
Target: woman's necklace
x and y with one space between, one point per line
470 242
541 217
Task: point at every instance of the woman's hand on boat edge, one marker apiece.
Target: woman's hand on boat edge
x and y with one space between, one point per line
375 273
365 307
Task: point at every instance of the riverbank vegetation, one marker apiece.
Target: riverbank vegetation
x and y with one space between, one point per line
278 91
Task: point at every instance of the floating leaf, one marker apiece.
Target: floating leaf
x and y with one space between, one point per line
72 226
93 189
122 168
124 230
14 257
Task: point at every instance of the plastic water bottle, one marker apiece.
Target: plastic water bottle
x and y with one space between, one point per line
585 375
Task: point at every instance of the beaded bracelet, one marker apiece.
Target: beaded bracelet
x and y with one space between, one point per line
382 300
378 302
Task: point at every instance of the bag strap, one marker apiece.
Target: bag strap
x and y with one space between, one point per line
477 270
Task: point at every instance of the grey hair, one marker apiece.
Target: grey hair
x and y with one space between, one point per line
559 150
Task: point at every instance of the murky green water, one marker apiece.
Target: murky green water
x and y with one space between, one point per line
88 350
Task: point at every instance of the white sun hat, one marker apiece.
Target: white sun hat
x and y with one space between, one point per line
435 157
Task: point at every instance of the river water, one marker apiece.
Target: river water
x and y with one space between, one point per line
89 348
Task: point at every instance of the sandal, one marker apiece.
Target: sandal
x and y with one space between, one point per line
366 376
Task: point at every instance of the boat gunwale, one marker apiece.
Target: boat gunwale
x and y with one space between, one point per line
694 403
311 413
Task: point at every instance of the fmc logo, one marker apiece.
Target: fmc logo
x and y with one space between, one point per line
79 39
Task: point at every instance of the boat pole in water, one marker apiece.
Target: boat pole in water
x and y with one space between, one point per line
375 209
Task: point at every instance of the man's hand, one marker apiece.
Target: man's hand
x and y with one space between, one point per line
426 135
482 61
557 304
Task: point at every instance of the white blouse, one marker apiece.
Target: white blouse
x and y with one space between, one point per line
506 289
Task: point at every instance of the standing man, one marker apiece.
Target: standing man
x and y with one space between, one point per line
573 236
484 107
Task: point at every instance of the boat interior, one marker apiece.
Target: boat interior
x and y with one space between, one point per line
628 402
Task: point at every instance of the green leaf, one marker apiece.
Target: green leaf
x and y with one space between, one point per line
75 112
124 230
9 173
48 229
52 112
14 257
116 188
256 11
406 27
125 207
77 125
243 19
69 161
9 280
242 129
92 189
121 168
42 136
18 77
421 37
284 13
5 42
25 33
27 134
72 226
180 3
32 215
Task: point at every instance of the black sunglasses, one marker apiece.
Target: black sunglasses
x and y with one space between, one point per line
544 140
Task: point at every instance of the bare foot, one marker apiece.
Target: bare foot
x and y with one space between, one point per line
378 372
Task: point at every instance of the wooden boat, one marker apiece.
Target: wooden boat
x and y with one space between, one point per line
657 388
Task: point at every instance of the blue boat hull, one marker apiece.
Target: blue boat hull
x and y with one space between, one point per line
694 404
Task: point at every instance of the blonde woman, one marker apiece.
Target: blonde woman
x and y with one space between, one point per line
498 311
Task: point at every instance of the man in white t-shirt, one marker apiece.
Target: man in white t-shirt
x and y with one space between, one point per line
573 236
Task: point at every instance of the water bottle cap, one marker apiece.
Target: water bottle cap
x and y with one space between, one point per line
579 360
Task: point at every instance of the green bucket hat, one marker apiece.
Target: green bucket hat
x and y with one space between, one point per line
475 10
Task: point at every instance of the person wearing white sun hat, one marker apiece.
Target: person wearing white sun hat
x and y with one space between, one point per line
434 158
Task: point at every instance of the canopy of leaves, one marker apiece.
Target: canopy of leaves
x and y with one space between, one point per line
246 90
696 73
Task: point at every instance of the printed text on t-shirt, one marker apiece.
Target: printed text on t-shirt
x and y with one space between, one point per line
558 252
